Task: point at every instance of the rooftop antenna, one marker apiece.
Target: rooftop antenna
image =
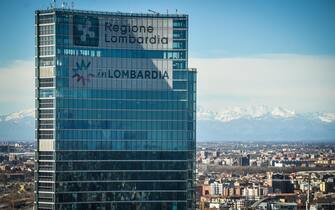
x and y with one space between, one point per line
176 11
72 5
157 13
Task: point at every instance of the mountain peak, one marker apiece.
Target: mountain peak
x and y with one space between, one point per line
327 117
282 112
17 126
16 116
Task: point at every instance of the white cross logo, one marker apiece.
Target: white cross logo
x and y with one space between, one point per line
86 31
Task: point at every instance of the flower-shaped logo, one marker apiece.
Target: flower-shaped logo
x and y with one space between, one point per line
81 72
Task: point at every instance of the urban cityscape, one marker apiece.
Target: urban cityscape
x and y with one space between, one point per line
229 175
265 175
167 105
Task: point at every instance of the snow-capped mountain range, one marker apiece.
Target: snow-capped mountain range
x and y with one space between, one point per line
262 123
260 112
254 123
17 116
17 126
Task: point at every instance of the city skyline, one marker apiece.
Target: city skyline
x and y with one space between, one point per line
285 59
171 105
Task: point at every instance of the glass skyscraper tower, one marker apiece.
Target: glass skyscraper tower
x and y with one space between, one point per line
115 111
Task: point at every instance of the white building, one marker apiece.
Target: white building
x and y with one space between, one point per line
216 188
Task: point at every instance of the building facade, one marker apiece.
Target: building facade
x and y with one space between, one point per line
115 111
281 183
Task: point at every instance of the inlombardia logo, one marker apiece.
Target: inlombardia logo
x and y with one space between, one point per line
86 31
81 72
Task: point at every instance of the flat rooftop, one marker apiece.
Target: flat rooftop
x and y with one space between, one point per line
100 13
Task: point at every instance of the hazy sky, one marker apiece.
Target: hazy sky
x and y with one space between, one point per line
260 52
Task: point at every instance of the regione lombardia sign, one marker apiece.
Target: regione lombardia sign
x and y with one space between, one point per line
100 69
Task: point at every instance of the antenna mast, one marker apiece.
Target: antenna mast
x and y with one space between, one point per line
157 13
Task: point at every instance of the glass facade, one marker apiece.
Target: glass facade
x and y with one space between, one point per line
115 111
